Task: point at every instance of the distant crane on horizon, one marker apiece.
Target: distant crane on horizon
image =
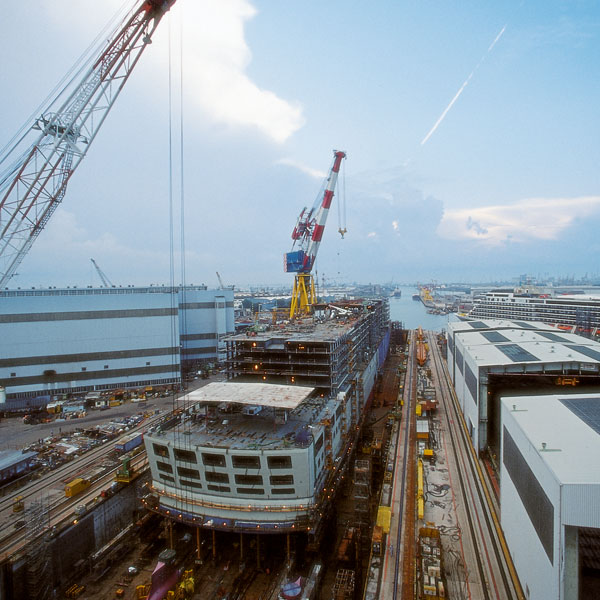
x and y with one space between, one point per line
105 280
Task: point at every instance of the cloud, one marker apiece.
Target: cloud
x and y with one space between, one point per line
62 255
533 219
290 162
216 58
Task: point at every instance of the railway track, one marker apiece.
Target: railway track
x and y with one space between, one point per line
496 577
403 568
77 468
49 490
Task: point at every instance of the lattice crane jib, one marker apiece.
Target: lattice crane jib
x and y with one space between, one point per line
106 282
33 181
307 236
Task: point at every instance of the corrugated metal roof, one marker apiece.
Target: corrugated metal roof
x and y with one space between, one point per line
495 324
587 409
524 345
261 394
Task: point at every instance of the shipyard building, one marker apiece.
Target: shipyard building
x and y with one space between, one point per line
76 340
530 398
266 452
491 359
550 493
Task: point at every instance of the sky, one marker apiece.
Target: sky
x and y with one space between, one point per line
471 130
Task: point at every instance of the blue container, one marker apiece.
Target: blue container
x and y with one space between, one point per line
294 261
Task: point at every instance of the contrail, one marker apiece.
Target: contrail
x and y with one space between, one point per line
497 38
462 87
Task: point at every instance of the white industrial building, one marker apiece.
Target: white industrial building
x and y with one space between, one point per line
550 493
491 359
57 341
205 318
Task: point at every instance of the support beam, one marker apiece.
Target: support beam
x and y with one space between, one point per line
258 551
214 545
303 295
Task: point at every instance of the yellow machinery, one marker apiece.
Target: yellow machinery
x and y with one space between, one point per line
125 472
420 496
303 295
18 504
76 486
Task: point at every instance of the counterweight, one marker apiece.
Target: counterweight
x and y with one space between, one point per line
34 182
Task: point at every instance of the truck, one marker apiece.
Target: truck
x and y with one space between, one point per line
129 442
377 540
76 487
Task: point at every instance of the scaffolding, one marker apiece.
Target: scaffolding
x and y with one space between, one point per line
320 352
38 568
362 489
343 588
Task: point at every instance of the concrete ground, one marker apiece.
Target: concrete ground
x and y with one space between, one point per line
14 434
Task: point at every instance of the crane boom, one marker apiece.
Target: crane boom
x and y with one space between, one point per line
35 182
105 280
308 234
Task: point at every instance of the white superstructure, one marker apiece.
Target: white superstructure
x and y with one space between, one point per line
267 451
575 313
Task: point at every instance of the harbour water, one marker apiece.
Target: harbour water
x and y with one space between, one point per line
413 313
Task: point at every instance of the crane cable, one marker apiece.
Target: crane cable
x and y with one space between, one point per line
178 293
173 291
181 174
342 204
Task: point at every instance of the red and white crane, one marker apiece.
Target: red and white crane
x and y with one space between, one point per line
35 174
307 236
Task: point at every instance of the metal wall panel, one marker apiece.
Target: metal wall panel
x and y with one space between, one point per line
580 505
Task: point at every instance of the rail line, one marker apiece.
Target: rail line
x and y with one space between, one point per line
409 385
75 468
468 464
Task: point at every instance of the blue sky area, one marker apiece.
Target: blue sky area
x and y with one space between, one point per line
471 130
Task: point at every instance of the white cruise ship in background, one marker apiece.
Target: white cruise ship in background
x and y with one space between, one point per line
577 313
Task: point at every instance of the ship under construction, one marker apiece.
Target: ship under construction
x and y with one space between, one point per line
266 451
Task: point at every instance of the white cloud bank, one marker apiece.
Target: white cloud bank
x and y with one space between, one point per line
529 220
215 59
217 55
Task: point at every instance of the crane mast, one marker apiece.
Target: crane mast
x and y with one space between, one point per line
307 234
35 181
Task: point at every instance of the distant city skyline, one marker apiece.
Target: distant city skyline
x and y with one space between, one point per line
471 132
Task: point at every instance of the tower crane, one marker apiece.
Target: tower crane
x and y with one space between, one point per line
105 280
307 235
35 174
